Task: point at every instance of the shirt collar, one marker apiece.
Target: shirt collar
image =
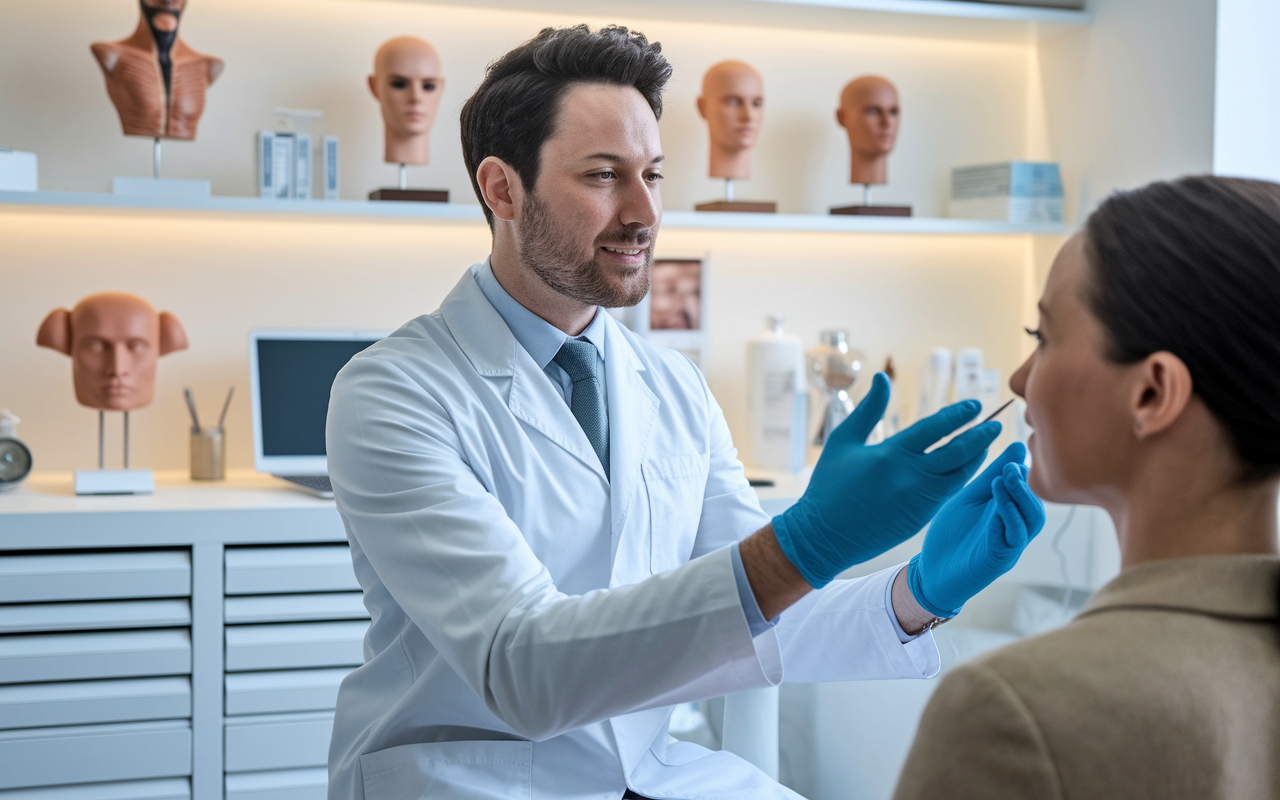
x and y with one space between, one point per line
539 338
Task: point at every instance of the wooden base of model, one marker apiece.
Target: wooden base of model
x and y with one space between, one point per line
873 211
748 206
411 195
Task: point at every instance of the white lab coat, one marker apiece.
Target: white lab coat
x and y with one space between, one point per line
506 657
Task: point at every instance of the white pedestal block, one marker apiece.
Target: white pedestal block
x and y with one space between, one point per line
114 481
159 187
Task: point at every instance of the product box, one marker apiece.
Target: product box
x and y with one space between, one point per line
1010 191
17 171
330 158
276 165
301 184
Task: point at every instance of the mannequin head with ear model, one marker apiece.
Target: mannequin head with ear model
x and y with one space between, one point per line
114 340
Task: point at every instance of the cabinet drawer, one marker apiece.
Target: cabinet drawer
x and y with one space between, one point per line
156 789
80 656
93 576
52 756
89 616
286 741
295 646
294 607
288 784
42 705
271 570
281 692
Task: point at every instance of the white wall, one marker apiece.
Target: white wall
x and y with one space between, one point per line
1246 114
1129 100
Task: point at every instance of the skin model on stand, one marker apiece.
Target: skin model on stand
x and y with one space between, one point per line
732 103
155 80
407 83
870 113
114 340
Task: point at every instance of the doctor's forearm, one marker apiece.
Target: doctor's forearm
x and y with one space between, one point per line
775 581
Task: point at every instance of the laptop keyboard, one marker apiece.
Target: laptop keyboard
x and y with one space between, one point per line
316 483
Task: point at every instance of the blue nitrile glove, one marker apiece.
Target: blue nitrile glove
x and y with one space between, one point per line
863 500
977 536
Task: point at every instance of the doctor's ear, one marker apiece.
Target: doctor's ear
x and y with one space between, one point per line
500 186
55 331
1162 389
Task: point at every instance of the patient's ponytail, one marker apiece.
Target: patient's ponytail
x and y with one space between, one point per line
1193 267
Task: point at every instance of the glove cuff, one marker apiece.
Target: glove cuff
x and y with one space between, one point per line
915 583
792 548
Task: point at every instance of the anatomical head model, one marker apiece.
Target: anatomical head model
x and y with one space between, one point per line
114 341
155 80
407 82
732 103
869 113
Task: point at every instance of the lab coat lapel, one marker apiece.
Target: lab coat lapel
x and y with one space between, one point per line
633 412
488 343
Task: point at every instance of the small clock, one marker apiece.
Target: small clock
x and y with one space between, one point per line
15 462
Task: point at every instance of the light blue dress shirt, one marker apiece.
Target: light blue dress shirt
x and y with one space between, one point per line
542 340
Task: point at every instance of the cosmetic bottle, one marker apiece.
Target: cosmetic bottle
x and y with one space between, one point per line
777 402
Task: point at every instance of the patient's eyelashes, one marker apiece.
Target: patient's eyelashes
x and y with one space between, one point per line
1035 334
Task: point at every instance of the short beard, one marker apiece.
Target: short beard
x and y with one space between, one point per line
552 258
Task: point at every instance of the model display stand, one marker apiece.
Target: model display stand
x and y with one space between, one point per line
730 204
114 481
405 194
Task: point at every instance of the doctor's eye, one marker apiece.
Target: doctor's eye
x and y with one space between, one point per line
428 86
399 83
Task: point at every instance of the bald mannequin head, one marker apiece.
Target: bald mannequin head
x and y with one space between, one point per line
732 103
869 114
114 341
407 82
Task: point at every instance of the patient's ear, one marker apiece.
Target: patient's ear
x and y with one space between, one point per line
1163 389
55 331
172 335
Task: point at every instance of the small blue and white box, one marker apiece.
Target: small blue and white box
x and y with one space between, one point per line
17 171
1010 191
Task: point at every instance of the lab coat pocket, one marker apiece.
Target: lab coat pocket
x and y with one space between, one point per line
474 770
676 486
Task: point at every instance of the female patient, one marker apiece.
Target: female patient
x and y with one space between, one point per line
1154 392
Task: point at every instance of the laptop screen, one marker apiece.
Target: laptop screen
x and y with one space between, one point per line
293 373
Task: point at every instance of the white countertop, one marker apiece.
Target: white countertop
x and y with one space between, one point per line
245 507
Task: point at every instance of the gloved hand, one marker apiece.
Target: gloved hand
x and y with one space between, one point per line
977 536
863 500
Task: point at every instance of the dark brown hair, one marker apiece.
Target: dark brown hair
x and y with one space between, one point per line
514 111
1192 267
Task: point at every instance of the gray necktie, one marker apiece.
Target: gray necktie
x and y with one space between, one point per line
578 358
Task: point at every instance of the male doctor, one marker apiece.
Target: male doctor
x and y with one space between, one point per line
552 529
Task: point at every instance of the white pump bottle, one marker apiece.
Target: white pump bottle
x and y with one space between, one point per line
777 400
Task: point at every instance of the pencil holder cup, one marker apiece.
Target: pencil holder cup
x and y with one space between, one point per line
208 456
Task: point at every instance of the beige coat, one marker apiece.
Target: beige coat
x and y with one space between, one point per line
1166 686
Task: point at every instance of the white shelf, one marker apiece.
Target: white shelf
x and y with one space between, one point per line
471 215
945 19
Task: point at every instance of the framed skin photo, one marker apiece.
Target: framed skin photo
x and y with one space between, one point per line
673 314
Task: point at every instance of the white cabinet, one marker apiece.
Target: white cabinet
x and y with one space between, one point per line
188 645
95 665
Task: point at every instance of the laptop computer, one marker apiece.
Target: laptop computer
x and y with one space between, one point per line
291 371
